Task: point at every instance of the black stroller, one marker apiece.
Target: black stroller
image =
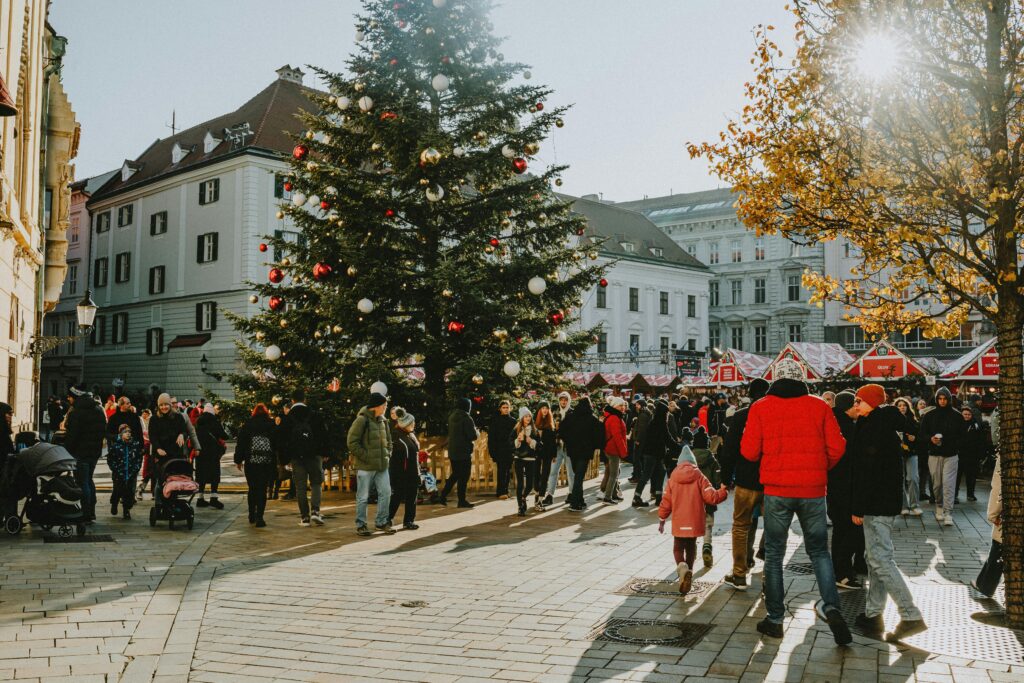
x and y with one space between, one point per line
178 505
43 475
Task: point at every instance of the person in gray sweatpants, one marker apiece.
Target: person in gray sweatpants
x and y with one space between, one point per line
940 434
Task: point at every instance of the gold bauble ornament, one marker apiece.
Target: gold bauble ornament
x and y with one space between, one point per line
312 166
284 322
359 87
424 181
478 379
489 249
558 182
559 123
429 31
480 136
506 223
258 335
500 333
447 293
286 262
531 148
430 156
376 147
592 256
279 215
276 400
336 329
318 335
352 271
309 135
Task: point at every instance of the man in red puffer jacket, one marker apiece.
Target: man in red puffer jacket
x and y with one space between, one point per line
797 439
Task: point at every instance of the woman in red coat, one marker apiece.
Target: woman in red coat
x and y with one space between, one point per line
615 446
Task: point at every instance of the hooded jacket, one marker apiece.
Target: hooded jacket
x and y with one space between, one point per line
877 465
581 431
462 434
6 442
946 421
840 477
86 427
687 493
369 441
500 436
735 468
211 433
796 438
614 433
658 441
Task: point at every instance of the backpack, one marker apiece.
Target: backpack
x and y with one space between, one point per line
261 452
303 436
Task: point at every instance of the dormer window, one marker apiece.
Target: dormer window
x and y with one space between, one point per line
209 143
127 170
627 247
178 152
657 252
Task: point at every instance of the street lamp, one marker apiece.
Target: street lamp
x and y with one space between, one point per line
86 314
204 365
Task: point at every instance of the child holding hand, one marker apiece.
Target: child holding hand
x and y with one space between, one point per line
687 492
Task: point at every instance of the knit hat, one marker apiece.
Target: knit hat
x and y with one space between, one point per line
77 392
758 388
524 412
617 402
686 436
464 404
208 408
844 400
787 368
565 395
376 400
872 394
163 398
700 439
407 420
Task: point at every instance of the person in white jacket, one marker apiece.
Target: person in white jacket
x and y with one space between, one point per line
992 571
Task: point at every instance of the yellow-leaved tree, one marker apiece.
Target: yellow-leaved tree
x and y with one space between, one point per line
898 126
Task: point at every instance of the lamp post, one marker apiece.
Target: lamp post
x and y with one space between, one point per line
204 365
85 311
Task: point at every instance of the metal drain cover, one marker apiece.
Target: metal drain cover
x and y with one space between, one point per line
90 538
800 568
650 632
663 588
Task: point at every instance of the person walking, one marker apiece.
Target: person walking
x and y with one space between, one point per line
797 440
499 446
641 425
877 500
847 537
404 469
583 435
369 444
924 477
462 435
717 416
911 472
255 456
547 452
212 438
973 446
615 447
525 444
655 444
85 429
55 415
302 442
560 453
748 494
125 460
686 496
709 467
992 571
940 433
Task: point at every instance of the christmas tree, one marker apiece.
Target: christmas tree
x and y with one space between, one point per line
435 258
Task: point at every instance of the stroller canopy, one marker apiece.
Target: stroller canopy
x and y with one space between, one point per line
175 466
46 458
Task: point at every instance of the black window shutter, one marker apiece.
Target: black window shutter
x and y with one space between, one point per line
128 266
124 327
149 342
199 317
199 249
278 185
214 236
152 277
152 224
216 189
213 315
202 193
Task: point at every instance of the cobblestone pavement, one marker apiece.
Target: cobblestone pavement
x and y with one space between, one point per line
472 595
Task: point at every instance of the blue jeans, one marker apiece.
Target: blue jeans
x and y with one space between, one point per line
553 477
911 482
83 474
884 577
778 514
382 480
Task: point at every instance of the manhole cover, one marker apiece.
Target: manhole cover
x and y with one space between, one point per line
90 538
663 588
800 568
650 632
414 603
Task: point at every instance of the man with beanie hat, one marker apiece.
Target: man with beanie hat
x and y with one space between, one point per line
877 450
941 430
797 440
462 435
749 492
302 436
560 456
369 444
847 537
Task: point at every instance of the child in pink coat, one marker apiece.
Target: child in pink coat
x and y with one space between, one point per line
687 492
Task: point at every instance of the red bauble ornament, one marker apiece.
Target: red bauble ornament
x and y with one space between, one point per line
263 247
495 242
519 165
401 24
556 317
478 399
389 213
300 152
393 62
397 6
325 205
539 106
580 231
275 275
275 302
287 186
603 282
388 116
322 270
456 327
519 340
446 60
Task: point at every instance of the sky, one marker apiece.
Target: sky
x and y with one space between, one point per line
644 76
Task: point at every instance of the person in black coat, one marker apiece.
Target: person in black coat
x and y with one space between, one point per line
583 435
657 442
255 455
847 537
941 429
404 469
973 446
212 436
547 451
499 446
86 427
6 433
462 436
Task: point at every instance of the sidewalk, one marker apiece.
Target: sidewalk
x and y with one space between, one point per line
472 595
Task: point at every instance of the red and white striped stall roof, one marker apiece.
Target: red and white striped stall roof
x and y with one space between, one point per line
883 361
981 363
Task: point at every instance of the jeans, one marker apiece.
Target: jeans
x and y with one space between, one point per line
526 479
382 480
309 469
460 476
543 473
744 502
778 514
992 571
83 475
503 468
968 469
259 477
553 477
911 483
654 472
884 577
611 476
579 466
943 471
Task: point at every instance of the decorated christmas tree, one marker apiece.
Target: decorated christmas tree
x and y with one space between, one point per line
434 257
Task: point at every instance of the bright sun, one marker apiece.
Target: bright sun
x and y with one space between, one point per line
877 56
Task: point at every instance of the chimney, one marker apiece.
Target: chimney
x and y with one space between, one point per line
293 75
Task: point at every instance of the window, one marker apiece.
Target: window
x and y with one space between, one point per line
279 191
72 278
206 248
691 249
759 249
794 249
691 344
663 303
103 221
73 236
72 330
634 343
713 293
99 274
289 237
12 325
796 332
965 338
736 338
760 338
627 247
119 331
793 288
12 380
209 191
602 343
912 340
125 214
158 223
759 290
98 336
691 306
735 247
663 347
657 252
712 253
634 299
715 337
156 280
846 250
736 292
206 316
122 267
853 338
154 341
602 297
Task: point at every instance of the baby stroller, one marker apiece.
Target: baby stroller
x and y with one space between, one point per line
428 483
43 475
173 490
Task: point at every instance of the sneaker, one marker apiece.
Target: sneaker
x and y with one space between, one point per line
905 511
127 516
548 500
834 618
464 504
852 583
948 520
938 514
916 512
737 582
707 556
364 531
317 518
442 501
522 511
410 526
260 523
639 502
905 629
617 498
769 628
502 497
304 521
387 528
575 508
633 480
606 501
215 503
869 625
202 503
972 499
685 577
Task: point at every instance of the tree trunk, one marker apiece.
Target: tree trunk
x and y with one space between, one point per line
1011 447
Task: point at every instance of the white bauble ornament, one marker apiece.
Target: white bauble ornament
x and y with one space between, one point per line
279 215
459 152
331 190
343 102
365 306
314 200
379 388
273 352
253 299
360 36
298 199
507 152
440 3
365 103
527 75
440 83
537 285
435 194
512 368
561 336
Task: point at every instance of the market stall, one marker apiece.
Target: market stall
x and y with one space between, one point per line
978 365
883 362
737 367
818 360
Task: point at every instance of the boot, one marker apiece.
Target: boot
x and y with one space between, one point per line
639 502
657 499
709 558
685 577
